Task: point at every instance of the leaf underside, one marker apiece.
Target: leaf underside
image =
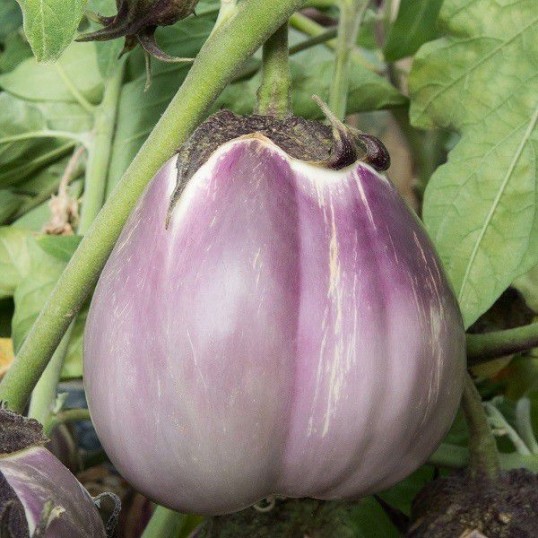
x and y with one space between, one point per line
480 207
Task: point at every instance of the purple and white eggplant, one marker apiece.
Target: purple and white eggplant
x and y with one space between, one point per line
278 324
39 497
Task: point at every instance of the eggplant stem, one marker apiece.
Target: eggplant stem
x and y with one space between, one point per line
274 93
483 453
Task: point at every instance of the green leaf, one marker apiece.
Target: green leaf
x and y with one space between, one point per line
19 158
59 246
402 494
17 117
9 203
16 50
75 72
480 208
107 51
20 169
140 110
33 290
414 25
10 18
14 259
46 258
527 285
368 520
50 25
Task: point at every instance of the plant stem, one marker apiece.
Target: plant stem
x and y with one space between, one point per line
44 133
44 394
457 457
100 149
524 424
68 415
254 65
500 424
227 10
351 15
274 91
312 28
483 454
323 37
487 346
218 61
166 523
321 4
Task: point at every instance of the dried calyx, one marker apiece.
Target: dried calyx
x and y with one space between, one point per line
137 21
334 147
462 505
39 497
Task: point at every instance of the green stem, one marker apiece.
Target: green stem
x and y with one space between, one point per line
274 91
500 424
253 66
321 4
351 15
44 133
309 27
524 424
227 10
166 523
44 394
488 346
323 37
483 454
100 150
218 61
457 457
68 415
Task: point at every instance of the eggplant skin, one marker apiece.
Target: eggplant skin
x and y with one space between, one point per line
291 332
37 479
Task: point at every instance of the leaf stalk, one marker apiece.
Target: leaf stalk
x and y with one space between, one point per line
351 15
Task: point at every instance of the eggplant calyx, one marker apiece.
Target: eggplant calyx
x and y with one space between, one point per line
18 432
335 147
348 143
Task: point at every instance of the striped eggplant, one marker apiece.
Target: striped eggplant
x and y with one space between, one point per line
272 320
39 497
